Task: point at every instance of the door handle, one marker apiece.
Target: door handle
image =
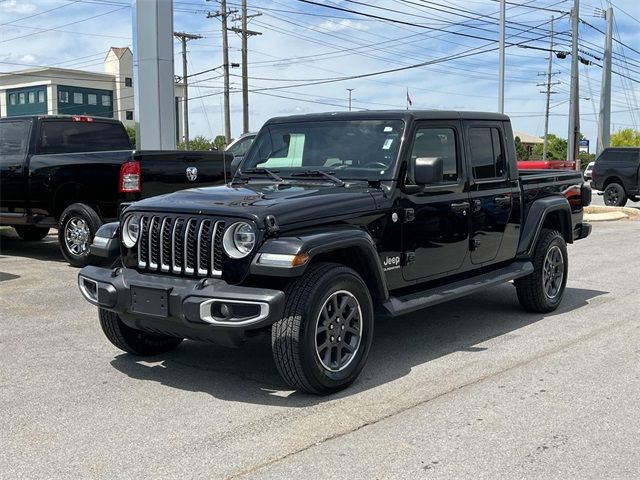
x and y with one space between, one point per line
502 201
460 207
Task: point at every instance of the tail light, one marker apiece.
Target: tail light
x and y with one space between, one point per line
130 177
81 118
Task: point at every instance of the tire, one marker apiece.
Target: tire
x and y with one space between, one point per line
132 340
301 362
30 233
615 196
76 229
539 291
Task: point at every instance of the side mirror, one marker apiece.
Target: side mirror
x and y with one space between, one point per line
235 163
428 170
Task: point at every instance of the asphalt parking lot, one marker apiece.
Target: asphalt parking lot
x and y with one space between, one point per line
475 388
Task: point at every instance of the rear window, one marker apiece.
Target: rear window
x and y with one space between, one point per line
68 136
14 138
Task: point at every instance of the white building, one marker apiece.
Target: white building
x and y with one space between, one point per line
62 91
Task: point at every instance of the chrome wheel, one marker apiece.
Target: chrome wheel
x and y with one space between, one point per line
553 272
76 236
338 331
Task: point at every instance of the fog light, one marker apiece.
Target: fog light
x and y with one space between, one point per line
225 311
89 289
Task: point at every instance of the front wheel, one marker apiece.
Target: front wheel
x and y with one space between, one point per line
132 340
615 196
322 341
78 225
31 234
542 290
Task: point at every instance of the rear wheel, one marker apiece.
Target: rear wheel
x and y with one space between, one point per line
30 233
132 340
614 195
78 225
543 289
323 339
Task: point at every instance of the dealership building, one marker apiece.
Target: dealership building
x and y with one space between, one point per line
62 91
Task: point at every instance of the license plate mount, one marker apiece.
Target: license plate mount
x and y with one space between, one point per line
150 301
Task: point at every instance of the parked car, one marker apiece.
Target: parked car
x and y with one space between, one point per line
546 165
588 170
616 173
73 172
240 146
329 219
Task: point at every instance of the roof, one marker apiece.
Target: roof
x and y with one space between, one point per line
526 138
119 51
45 72
393 115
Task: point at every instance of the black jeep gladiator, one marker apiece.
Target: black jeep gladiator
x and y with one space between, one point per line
329 220
72 172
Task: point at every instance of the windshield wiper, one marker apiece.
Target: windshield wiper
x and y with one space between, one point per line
321 173
271 173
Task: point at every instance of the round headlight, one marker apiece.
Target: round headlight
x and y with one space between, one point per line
131 231
239 240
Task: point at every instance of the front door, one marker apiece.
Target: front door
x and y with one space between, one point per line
436 216
14 141
490 190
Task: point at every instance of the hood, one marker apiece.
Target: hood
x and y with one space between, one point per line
288 203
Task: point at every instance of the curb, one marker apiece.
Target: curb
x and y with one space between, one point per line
605 217
599 213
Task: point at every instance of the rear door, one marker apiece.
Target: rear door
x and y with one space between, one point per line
491 192
436 218
15 136
169 171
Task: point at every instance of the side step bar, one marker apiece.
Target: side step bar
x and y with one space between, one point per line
416 301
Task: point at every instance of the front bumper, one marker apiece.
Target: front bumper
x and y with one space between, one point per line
201 309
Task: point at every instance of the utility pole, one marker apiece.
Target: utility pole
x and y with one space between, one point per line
245 34
501 61
350 90
573 137
548 84
604 118
223 13
184 38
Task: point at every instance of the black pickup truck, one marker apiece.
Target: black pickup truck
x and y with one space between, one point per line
73 172
616 173
329 220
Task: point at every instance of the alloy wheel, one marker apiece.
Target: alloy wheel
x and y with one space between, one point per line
553 272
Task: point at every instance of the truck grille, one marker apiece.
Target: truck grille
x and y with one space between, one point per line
181 245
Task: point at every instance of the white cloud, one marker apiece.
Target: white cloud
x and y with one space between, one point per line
28 58
13 6
344 24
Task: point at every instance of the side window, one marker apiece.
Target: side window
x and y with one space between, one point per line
435 142
487 155
14 137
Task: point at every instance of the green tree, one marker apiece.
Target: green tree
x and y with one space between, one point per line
132 135
219 142
198 143
556 148
521 151
627 137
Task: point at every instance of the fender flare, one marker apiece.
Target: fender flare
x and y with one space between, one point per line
316 242
538 212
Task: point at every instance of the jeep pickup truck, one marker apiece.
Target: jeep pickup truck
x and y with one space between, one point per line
331 219
72 172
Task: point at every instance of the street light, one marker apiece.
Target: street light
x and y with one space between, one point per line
350 90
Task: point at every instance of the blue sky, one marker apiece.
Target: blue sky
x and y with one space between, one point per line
301 43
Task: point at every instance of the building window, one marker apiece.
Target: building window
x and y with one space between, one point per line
128 82
12 99
32 97
22 98
92 99
106 100
129 115
63 97
41 96
77 97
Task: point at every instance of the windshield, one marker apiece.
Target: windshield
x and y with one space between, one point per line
350 150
